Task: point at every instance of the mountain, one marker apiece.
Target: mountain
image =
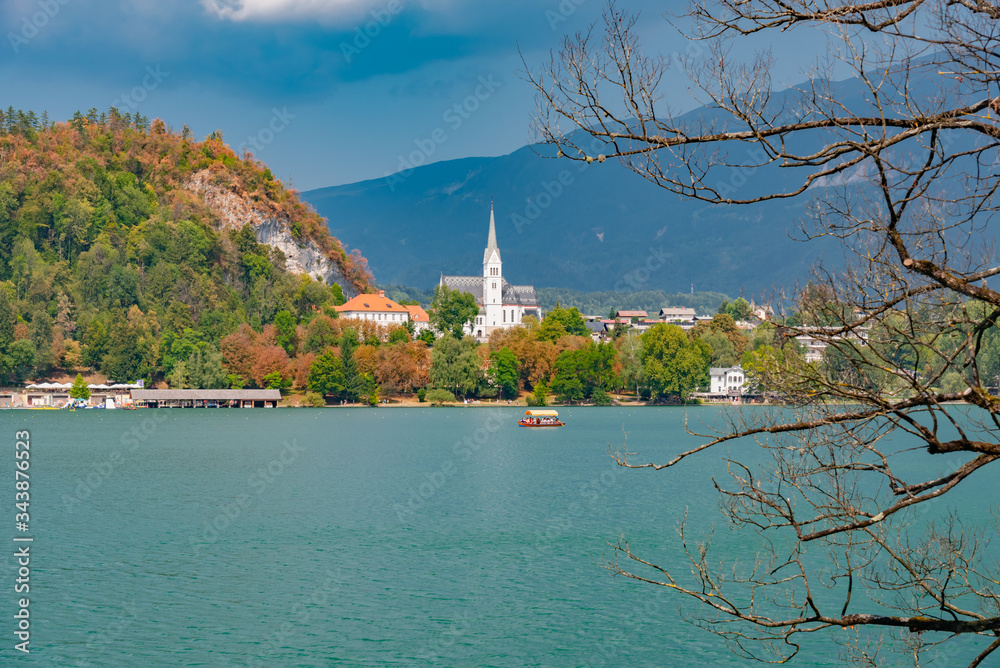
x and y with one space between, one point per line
591 227
131 250
601 227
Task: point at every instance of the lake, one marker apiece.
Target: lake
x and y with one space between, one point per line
357 537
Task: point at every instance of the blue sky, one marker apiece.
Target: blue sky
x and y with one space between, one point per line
300 82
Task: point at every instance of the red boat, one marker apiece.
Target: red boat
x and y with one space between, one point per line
540 418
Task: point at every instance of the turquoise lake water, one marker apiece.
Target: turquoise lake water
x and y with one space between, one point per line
350 537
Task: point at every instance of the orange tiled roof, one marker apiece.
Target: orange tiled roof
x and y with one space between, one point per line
417 314
372 304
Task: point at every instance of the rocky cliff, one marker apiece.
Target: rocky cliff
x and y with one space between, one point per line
234 210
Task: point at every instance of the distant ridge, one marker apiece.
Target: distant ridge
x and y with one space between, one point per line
600 228
560 224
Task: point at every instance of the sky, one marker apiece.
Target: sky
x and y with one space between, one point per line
326 92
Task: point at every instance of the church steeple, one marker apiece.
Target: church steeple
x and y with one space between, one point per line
491 242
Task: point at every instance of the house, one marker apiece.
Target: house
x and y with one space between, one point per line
731 381
815 340
598 329
676 313
419 318
631 315
501 305
378 308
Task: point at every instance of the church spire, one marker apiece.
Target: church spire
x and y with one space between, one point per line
491 242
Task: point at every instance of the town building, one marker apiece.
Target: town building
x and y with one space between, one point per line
815 340
378 308
419 318
729 381
501 305
677 313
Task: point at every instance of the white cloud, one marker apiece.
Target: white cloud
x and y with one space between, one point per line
278 10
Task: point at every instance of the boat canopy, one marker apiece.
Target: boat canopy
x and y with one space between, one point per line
542 413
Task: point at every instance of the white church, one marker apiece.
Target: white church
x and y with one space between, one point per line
501 304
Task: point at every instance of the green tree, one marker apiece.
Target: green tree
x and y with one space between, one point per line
630 354
570 319
723 351
320 335
674 365
337 293
326 375
355 385
21 360
275 381
503 372
284 326
178 377
739 309
451 310
539 395
455 366
79 389
205 369
567 385
8 318
440 396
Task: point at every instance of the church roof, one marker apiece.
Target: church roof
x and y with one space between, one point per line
520 295
491 241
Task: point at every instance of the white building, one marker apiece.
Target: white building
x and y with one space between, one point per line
677 313
419 318
501 304
815 340
378 307
727 381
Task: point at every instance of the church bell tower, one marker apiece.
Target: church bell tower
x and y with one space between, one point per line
492 278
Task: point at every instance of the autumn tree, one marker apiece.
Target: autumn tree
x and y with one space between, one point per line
898 165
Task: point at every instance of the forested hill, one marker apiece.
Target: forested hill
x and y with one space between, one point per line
125 246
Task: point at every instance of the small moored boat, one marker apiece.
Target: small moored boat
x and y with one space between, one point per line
541 418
